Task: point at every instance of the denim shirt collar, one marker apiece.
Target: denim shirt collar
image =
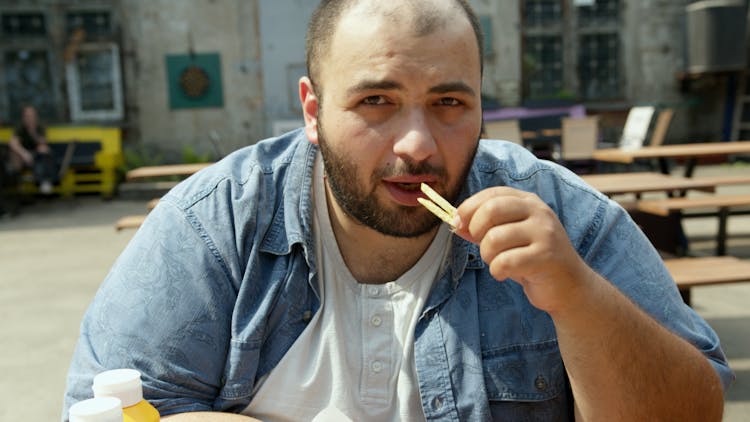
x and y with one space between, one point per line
288 230
292 223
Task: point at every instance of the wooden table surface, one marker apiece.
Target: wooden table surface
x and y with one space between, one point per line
617 155
691 272
640 182
165 170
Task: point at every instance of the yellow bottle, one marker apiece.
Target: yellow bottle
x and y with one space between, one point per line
125 384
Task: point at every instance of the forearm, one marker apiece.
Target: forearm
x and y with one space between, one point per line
623 365
15 145
207 417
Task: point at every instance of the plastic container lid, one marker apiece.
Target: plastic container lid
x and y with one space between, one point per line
98 409
125 384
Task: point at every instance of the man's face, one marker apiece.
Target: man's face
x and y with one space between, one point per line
29 117
397 110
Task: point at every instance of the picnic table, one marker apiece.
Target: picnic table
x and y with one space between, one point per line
165 171
691 152
672 208
141 173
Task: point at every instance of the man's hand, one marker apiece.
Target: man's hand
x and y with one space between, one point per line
520 237
659 375
27 157
42 147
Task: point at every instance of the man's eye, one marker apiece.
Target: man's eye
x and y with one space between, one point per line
448 101
374 100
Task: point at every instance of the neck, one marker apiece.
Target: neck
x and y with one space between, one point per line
372 257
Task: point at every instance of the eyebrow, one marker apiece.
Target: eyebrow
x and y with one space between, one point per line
389 85
368 85
452 87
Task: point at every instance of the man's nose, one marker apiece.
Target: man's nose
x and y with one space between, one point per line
415 140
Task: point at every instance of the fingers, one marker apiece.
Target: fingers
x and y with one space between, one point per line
509 225
490 208
502 238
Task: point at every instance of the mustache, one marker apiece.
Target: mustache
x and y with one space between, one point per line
404 168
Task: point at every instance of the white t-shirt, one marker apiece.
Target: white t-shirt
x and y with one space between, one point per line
355 359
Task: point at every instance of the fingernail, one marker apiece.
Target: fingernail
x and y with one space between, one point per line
456 222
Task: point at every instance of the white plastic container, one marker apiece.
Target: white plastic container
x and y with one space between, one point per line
98 409
125 384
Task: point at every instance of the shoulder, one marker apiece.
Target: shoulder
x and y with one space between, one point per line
501 163
241 170
581 209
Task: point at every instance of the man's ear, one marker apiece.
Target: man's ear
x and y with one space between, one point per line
309 101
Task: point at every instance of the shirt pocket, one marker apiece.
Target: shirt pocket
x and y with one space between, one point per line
526 383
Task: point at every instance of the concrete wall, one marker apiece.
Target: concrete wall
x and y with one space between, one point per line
282 31
654 40
261 44
155 28
502 67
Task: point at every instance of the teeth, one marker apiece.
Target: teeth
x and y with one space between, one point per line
409 186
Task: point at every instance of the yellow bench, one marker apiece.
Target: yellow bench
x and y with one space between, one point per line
95 153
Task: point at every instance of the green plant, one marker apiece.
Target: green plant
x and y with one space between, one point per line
190 156
139 156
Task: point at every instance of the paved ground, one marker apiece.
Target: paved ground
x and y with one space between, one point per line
56 252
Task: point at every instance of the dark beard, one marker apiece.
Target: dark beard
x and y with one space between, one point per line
349 191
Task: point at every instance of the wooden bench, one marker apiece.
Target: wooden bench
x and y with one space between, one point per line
150 172
667 206
704 271
130 222
89 158
165 171
135 221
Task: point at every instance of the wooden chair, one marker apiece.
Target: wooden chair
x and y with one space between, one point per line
636 127
663 121
579 137
506 130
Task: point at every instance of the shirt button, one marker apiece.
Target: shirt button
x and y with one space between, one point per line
540 383
377 366
374 291
437 403
376 320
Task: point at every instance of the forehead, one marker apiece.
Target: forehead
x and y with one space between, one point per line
387 37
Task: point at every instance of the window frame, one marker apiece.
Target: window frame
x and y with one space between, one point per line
116 112
569 33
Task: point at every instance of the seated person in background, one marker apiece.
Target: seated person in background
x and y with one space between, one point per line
301 277
29 149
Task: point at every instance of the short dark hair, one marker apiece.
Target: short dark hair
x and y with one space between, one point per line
326 17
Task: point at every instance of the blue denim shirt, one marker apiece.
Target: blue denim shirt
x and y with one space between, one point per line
221 279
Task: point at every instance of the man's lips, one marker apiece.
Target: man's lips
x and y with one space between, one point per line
405 190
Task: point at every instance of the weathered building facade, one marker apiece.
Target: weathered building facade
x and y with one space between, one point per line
215 75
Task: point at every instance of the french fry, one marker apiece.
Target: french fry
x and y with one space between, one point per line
439 206
437 199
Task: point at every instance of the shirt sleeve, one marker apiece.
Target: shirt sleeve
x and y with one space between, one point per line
164 309
619 251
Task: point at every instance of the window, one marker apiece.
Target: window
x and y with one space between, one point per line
94 24
27 81
571 48
94 83
24 25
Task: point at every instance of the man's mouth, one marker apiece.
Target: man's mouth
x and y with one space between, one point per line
411 187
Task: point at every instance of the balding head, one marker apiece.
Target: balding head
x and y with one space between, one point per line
424 17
